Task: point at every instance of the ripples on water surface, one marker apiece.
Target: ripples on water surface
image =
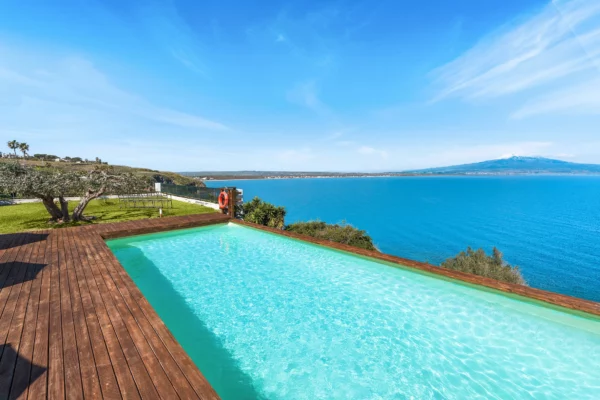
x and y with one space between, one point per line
548 225
268 317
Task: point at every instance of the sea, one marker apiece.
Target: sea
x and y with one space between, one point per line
547 225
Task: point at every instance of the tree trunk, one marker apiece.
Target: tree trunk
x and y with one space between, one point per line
89 196
64 207
52 209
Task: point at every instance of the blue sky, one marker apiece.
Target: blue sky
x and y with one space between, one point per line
301 85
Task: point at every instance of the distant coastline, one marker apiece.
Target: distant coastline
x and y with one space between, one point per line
278 177
515 165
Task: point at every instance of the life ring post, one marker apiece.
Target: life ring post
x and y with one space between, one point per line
232 201
224 200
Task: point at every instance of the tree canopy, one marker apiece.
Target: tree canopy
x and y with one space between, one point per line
339 233
263 213
24 147
51 184
479 263
13 145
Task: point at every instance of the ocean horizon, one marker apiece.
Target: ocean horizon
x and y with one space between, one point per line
548 225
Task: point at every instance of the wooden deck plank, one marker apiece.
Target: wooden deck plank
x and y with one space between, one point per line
87 366
140 374
23 368
8 270
12 288
38 387
56 365
73 376
5 241
9 242
8 359
90 329
117 360
6 248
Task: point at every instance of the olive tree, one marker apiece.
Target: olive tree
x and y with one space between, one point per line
53 185
44 185
104 180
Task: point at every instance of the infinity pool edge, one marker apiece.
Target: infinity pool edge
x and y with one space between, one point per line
572 305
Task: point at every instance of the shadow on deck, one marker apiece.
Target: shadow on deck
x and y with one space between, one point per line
17 272
20 239
25 373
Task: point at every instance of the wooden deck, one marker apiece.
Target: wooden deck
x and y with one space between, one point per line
74 325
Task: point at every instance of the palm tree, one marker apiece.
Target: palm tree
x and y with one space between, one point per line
24 147
13 145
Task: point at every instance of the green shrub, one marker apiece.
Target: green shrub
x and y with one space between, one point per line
263 213
339 233
479 263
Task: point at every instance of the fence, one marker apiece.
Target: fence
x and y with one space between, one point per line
13 196
145 200
210 195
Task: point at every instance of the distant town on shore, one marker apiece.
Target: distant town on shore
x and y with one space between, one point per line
516 165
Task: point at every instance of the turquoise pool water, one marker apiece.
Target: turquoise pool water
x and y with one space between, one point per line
265 316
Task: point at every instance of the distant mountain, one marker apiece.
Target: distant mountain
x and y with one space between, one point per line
516 165
512 165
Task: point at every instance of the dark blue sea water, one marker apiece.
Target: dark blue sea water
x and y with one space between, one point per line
548 225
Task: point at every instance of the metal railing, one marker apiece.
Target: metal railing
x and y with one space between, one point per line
210 195
145 200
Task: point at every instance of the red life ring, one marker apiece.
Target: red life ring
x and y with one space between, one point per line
223 200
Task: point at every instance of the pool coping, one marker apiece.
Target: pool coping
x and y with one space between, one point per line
582 307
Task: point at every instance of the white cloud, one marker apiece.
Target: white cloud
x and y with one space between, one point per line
71 107
578 99
559 46
72 87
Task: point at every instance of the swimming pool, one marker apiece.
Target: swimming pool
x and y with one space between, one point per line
265 316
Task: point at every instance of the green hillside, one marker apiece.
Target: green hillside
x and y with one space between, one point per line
150 174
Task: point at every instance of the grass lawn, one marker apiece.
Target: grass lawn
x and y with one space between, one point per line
32 216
